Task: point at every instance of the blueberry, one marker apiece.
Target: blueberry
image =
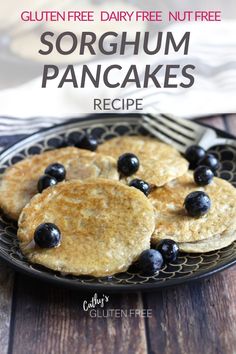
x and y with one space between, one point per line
87 142
203 175
57 171
168 249
210 161
46 181
150 261
197 203
194 154
47 235
141 185
128 164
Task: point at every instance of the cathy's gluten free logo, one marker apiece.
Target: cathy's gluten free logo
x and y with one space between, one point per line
95 302
96 309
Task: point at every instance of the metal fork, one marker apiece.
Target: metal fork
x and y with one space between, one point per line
182 133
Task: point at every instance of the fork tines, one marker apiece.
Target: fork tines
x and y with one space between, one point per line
174 131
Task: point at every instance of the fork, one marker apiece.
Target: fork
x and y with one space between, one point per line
182 133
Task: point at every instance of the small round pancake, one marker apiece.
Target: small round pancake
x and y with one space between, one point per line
159 162
92 165
172 220
216 242
19 182
104 224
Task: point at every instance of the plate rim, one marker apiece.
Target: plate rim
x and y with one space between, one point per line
143 287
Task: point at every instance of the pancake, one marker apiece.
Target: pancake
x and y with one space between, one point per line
173 222
159 162
19 182
216 242
104 225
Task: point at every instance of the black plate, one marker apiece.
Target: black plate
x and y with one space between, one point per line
189 266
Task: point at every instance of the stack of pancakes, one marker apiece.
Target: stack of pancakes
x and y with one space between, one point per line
105 224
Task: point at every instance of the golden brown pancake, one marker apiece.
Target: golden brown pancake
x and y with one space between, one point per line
104 224
173 222
159 162
19 182
211 244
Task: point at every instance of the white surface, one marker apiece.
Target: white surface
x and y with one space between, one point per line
213 51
